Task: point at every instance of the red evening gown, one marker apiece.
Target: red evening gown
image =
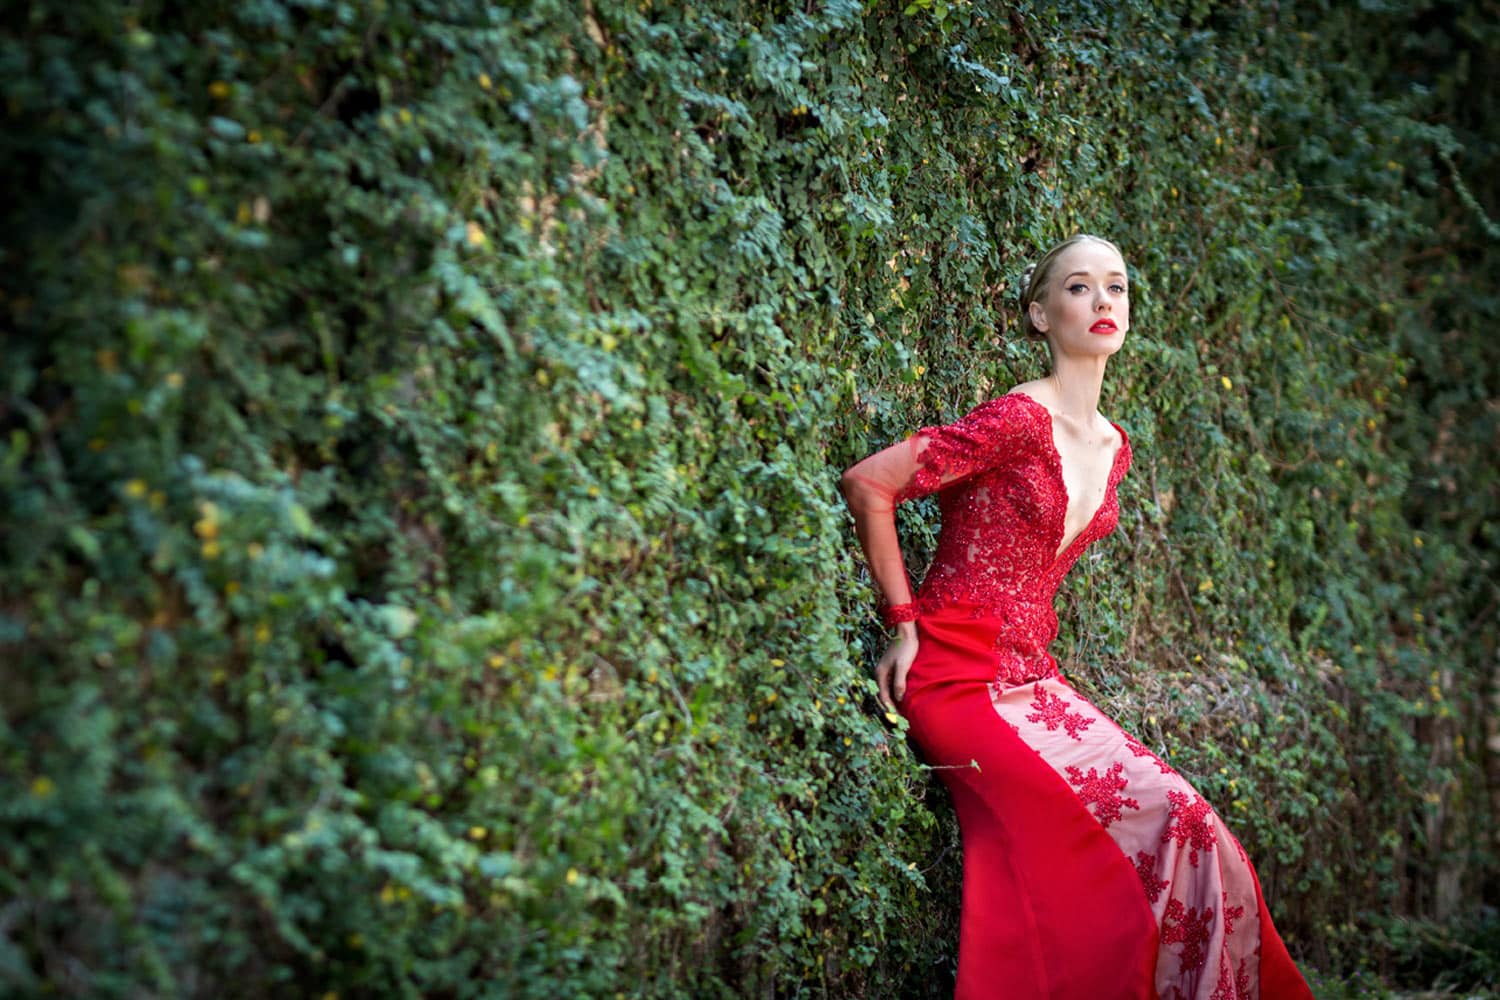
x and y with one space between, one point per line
1091 868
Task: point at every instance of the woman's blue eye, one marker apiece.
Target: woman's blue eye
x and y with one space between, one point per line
1118 288
1076 286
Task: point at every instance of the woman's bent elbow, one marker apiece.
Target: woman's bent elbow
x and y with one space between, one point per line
851 487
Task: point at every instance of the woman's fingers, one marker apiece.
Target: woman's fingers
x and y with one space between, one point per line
902 666
883 682
890 673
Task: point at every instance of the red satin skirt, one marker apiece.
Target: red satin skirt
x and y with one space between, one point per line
1091 868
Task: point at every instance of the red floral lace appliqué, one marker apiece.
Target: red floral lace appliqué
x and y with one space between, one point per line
1239 848
1190 824
999 482
1003 506
1052 711
1231 914
1102 791
1140 749
1224 988
1184 925
1231 986
1145 867
894 614
983 439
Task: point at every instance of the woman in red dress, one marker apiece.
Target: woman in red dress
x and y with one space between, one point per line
1091 868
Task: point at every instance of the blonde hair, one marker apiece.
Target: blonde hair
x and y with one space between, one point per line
1034 281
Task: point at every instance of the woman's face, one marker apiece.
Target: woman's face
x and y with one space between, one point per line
1085 308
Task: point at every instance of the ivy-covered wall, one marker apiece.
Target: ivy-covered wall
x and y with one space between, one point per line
423 569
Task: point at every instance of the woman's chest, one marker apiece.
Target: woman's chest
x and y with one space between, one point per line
1023 500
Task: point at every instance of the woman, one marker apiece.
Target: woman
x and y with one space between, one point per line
1091 869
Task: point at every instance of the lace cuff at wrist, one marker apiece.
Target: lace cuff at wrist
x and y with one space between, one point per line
893 615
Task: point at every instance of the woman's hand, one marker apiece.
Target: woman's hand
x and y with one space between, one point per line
890 672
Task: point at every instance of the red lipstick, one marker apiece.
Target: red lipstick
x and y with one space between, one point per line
1104 326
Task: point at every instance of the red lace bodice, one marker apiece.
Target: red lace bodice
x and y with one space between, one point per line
1001 552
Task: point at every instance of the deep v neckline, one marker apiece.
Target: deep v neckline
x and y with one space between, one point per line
1062 481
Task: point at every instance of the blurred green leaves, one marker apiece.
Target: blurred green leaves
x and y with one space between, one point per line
423 571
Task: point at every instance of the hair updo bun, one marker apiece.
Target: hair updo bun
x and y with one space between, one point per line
1026 278
1034 280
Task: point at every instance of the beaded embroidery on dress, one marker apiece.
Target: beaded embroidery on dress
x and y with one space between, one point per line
1091 868
1007 508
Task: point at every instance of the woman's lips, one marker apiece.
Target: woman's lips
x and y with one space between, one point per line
1104 326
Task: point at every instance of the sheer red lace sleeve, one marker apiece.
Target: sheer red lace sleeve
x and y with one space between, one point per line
932 458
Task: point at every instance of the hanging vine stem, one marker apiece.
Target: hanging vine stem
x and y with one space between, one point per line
1466 196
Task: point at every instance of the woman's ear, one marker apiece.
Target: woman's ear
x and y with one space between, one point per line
1038 316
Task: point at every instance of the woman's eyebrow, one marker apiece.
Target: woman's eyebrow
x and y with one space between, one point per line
1111 274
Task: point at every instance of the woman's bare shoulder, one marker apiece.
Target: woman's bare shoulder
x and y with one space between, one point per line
1040 391
1037 389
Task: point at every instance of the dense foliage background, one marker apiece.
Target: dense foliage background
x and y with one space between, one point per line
423 570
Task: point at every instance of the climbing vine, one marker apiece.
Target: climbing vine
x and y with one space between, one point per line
419 434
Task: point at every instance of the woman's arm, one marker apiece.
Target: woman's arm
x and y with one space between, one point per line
930 459
872 488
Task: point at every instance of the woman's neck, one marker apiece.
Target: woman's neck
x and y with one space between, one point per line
1075 385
